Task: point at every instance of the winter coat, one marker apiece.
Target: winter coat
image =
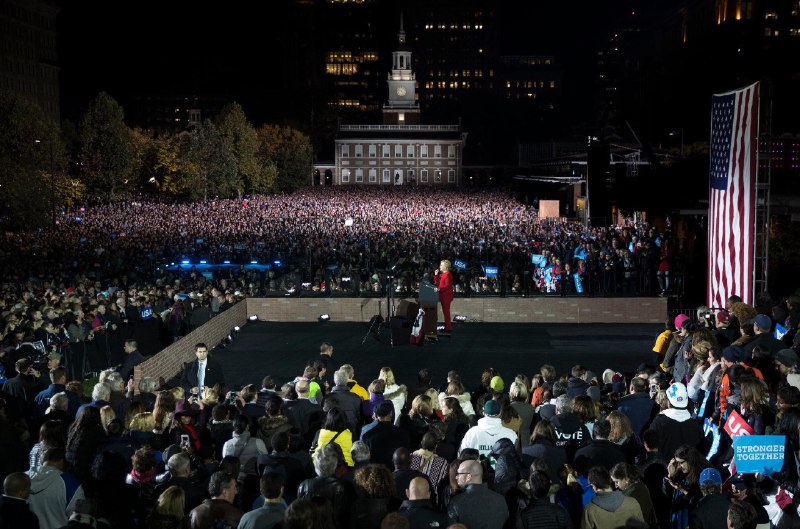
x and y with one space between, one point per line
639 408
53 497
397 394
478 508
508 467
247 449
676 427
487 432
542 514
464 400
207 513
610 509
269 426
343 439
555 456
338 491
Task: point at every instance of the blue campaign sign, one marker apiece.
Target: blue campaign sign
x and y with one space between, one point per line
146 313
490 271
758 453
578 283
459 264
539 260
780 331
579 253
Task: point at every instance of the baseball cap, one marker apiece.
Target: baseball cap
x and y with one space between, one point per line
680 319
497 383
491 408
763 322
733 353
710 474
787 357
723 316
677 395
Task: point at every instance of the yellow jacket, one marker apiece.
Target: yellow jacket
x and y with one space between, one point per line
344 440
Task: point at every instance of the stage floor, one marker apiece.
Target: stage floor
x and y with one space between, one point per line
282 349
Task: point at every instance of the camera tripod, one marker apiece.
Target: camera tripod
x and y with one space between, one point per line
378 321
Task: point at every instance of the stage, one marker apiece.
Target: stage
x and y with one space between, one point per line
282 349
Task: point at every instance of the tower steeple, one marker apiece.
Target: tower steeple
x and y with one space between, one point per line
402 106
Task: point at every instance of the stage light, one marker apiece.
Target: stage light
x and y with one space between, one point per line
226 262
203 261
439 328
236 329
185 261
459 317
252 317
254 261
324 317
277 262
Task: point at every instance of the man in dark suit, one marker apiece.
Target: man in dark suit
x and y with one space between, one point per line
203 372
303 414
385 437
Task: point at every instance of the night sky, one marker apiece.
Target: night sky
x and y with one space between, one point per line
126 47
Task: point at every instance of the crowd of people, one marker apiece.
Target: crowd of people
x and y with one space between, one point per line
650 448
343 240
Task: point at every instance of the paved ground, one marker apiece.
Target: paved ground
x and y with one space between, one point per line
281 350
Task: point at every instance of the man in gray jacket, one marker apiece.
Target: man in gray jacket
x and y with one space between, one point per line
478 507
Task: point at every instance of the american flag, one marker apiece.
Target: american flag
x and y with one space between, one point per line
732 200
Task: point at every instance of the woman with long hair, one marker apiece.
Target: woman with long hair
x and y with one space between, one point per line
456 426
419 419
163 409
335 430
51 435
754 404
683 476
456 390
82 442
622 434
377 485
393 391
543 446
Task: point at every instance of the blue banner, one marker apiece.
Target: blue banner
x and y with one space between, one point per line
539 260
146 313
490 271
578 283
758 453
580 253
459 264
780 331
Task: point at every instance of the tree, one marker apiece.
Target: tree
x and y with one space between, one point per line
168 167
240 138
106 154
144 154
31 163
208 165
290 151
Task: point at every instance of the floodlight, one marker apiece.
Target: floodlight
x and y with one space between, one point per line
324 317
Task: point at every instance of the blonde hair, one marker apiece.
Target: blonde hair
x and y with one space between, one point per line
387 375
178 393
171 502
143 422
107 414
447 264
421 405
620 426
434 396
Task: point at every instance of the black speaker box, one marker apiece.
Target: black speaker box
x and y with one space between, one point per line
401 330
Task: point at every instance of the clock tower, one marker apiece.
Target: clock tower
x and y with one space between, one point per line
402 107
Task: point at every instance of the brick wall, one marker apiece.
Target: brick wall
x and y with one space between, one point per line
170 361
488 309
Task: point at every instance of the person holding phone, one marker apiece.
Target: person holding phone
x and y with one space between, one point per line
443 279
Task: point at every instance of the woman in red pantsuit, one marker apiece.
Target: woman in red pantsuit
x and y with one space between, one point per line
443 279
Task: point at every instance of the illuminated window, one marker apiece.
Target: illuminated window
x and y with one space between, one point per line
410 176
423 151
423 176
451 175
387 177
398 151
345 150
410 151
437 176
360 175
349 69
345 175
552 84
451 151
333 69
359 150
437 151
771 15
373 151
385 151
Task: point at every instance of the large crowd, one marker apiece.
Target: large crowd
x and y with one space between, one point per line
650 448
586 448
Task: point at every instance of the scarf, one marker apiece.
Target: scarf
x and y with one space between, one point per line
145 477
